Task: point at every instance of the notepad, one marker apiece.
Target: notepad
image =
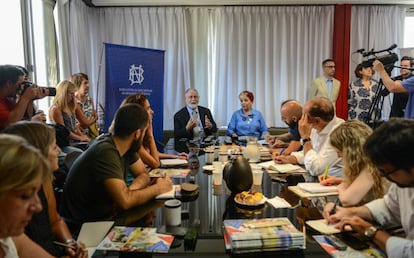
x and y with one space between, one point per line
305 194
170 194
317 187
281 168
92 233
173 162
322 226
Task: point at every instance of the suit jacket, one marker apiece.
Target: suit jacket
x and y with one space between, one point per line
320 89
181 119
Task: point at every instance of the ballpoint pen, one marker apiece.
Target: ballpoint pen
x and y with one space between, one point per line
334 207
282 150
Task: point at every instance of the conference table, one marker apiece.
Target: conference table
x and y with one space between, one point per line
206 210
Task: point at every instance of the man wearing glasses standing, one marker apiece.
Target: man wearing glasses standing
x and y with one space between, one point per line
326 85
389 148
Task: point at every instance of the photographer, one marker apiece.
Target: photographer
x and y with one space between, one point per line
398 86
11 83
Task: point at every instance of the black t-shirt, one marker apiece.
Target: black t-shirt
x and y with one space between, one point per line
84 196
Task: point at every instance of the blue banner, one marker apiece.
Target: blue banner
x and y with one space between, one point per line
131 70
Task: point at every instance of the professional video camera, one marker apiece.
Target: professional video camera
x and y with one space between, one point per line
27 84
387 60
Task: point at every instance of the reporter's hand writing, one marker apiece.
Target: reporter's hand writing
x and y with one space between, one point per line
340 213
359 225
183 155
79 250
330 180
164 184
289 159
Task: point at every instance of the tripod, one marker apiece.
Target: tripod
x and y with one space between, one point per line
376 106
378 102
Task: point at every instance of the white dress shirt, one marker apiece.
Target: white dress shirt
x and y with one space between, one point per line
396 208
322 153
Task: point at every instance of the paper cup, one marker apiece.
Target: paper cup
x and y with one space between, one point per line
172 212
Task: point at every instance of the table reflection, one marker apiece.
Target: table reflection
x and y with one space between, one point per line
214 203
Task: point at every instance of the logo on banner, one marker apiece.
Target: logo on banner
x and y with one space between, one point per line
136 74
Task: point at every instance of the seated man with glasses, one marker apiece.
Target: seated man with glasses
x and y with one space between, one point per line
389 148
326 85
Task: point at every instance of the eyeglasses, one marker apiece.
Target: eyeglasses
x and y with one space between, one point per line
387 174
330 66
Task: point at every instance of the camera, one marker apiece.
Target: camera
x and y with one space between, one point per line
387 60
52 91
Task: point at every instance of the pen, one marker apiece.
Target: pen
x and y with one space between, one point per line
282 150
67 245
334 207
325 174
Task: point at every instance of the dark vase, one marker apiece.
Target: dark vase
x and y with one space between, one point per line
238 175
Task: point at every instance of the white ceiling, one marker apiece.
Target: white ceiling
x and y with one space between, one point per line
238 2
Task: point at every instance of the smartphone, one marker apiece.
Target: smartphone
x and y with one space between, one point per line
354 240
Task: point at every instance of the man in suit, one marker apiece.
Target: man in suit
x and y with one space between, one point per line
326 85
192 121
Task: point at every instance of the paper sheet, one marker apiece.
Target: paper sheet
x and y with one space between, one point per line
92 233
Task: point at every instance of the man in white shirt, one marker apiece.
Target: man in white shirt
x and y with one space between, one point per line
315 126
389 148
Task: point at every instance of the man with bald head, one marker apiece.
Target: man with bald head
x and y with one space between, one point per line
315 126
291 112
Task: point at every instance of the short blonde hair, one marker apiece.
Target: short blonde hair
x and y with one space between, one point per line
20 164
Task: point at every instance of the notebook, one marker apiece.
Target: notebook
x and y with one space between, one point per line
281 168
92 233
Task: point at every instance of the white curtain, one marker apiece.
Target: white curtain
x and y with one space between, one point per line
273 51
156 28
375 27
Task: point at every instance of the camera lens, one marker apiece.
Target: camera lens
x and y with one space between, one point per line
52 91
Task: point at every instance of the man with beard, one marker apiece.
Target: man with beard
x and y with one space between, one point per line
291 112
95 188
389 148
192 121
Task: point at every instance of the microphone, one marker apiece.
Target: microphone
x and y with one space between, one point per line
361 50
392 47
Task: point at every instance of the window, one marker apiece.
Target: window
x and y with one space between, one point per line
11 50
409 29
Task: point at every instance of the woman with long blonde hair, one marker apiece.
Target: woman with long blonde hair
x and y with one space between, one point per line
362 182
63 110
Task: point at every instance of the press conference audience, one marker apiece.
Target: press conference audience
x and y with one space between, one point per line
326 85
85 111
389 148
62 112
20 180
398 86
148 151
291 113
361 95
192 121
95 188
317 123
247 121
47 225
361 182
11 84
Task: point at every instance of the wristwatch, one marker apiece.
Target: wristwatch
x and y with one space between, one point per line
370 232
303 141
